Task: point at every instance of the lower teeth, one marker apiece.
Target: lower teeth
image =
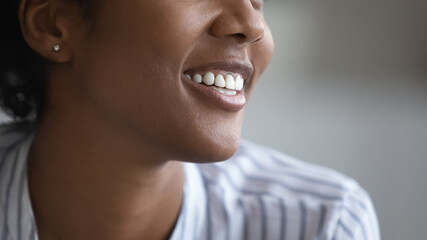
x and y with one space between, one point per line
225 91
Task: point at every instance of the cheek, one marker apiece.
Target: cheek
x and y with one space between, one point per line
138 52
148 31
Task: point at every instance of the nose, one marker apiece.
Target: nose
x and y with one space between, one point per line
239 20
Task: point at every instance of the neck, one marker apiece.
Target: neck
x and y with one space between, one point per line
85 185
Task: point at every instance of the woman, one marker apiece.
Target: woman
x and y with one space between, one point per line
120 103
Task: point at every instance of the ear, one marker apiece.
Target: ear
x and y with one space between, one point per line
42 29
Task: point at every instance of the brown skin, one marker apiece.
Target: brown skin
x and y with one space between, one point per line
106 161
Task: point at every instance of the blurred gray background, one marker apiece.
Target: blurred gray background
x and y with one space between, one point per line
347 88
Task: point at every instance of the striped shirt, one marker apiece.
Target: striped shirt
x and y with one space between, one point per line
257 194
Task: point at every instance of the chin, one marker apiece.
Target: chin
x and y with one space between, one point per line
222 153
214 154
213 149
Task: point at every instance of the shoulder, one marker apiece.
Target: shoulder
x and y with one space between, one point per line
327 201
11 137
11 133
255 168
12 173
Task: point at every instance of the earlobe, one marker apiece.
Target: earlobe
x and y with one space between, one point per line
41 30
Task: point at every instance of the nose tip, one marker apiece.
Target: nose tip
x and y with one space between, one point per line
241 22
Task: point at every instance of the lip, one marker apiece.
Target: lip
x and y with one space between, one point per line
212 97
228 103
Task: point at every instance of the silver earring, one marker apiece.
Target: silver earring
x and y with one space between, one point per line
56 48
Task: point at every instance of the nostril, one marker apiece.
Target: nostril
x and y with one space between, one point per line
243 37
240 35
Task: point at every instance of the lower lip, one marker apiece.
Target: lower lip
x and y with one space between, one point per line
233 103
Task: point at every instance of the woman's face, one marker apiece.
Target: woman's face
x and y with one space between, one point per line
134 68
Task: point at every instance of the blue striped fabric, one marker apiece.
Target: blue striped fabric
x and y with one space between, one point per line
257 194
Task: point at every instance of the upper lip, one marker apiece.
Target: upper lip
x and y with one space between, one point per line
243 68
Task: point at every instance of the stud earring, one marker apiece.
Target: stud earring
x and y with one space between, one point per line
56 48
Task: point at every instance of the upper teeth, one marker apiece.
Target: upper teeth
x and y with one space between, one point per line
229 81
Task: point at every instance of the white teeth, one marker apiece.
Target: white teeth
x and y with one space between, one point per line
219 81
209 79
230 83
197 78
226 91
239 83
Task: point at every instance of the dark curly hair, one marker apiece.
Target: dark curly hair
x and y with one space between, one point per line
22 71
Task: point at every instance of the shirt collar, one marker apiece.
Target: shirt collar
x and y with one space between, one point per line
17 205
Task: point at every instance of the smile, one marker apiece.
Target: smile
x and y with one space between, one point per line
220 84
225 83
